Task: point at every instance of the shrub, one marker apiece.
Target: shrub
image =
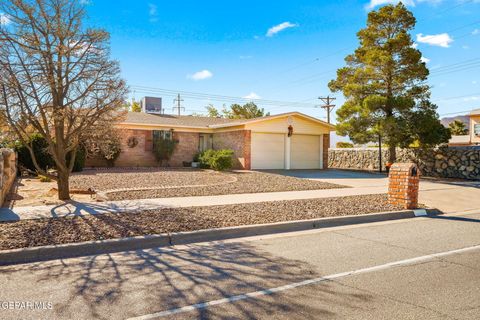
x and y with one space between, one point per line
39 145
44 159
163 149
217 159
341 144
79 160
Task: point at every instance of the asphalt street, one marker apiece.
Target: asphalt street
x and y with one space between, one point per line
305 275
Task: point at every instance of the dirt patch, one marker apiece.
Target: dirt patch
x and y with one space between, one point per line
245 182
30 233
32 192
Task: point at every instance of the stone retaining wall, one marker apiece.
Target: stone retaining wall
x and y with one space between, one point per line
445 162
8 172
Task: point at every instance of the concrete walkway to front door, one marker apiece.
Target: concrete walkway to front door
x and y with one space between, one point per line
446 196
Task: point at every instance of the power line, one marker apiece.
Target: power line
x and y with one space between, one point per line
216 97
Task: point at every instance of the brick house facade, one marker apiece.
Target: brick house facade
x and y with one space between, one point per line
195 134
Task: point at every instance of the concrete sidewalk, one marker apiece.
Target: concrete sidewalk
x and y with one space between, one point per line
446 196
73 208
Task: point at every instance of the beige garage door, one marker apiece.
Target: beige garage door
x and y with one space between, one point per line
305 152
268 151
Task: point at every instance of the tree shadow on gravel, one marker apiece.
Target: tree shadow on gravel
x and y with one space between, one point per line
134 283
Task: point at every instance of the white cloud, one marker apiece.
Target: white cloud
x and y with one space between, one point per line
280 27
245 57
4 19
153 12
440 40
252 96
465 47
414 45
472 98
474 82
200 75
426 60
475 32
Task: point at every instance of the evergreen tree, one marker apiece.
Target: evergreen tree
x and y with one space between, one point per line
384 85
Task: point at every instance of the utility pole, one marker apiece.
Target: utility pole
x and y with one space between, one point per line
178 106
327 105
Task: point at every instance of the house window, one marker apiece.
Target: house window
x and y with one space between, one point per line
162 134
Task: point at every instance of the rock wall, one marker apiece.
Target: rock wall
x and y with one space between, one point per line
445 162
8 172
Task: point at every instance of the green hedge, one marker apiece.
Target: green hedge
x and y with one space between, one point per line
216 159
43 157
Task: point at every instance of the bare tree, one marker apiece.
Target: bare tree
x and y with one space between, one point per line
56 78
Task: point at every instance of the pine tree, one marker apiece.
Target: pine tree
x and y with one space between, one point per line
384 85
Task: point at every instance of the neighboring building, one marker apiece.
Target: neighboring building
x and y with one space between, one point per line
474 128
286 141
473 136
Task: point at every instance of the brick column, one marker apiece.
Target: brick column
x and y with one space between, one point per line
403 185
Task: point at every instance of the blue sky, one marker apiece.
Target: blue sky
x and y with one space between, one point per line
278 50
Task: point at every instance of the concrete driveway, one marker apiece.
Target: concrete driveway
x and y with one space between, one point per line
450 196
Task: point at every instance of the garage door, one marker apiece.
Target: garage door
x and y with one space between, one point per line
305 152
268 151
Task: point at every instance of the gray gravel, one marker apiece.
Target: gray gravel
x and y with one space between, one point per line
38 232
117 178
246 182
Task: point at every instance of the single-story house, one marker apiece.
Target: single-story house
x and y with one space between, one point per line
285 141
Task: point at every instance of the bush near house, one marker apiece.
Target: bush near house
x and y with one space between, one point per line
217 159
341 144
44 159
163 149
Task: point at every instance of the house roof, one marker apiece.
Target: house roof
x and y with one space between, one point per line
172 120
475 112
204 122
237 122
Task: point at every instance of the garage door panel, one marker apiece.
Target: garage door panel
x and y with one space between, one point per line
305 152
268 151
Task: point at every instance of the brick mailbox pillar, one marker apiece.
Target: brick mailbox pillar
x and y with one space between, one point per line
403 185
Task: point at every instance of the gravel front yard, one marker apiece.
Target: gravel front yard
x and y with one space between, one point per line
245 182
30 233
113 179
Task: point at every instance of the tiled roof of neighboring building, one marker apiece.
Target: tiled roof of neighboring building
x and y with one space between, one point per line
173 120
475 112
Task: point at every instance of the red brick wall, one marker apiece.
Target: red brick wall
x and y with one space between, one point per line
138 156
142 156
238 141
326 145
403 185
186 148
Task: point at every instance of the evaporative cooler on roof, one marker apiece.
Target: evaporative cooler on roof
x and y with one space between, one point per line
151 105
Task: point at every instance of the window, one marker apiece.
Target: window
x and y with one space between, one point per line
162 134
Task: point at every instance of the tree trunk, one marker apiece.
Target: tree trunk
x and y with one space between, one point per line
63 184
392 154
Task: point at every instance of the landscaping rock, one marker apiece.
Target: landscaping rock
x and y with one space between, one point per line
40 232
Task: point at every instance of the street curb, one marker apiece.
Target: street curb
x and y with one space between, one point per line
71 250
